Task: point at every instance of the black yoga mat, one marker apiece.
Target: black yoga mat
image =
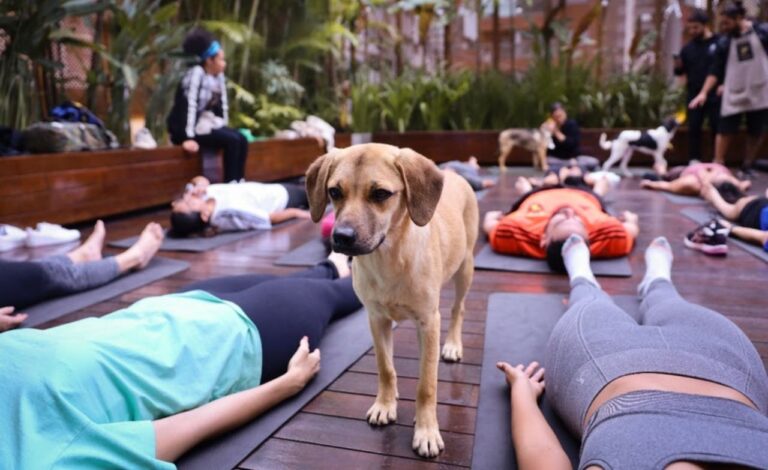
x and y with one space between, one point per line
308 254
194 244
158 268
345 341
701 215
684 200
516 331
486 258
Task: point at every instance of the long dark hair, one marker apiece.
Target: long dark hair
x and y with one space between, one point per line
184 224
730 192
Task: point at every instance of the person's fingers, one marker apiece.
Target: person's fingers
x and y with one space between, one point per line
6 310
304 343
531 368
18 319
543 384
537 377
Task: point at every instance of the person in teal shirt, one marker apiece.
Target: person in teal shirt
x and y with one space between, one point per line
141 386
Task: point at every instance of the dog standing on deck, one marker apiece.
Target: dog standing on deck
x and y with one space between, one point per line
410 227
653 142
536 141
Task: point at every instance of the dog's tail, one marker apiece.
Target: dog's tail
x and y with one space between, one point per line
605 144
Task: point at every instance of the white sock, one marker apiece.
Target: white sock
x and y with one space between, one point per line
658 263
576 258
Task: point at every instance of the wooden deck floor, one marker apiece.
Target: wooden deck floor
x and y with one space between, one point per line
331 431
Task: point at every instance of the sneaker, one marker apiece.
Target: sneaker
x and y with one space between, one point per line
11 237
709 238
144 140
50 234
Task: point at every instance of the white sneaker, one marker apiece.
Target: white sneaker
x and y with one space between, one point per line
11 237
144 140
50 234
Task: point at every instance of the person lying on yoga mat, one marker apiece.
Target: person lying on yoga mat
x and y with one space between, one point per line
26 283
470 171
570 176
682 387
235 206
541 220
141 386
687 180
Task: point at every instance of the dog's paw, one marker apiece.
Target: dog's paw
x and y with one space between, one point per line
452 352
382 413
427 441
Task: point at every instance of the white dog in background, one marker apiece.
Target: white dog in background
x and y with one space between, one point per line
654 142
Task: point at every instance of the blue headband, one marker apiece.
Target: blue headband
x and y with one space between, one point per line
212 50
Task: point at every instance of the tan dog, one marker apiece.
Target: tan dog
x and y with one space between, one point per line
536 141
411 228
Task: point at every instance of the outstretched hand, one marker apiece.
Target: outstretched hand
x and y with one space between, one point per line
8 320
304 364
524 382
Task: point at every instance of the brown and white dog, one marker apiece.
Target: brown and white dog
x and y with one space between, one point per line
536 141
410 227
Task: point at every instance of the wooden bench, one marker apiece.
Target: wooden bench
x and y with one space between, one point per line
80 186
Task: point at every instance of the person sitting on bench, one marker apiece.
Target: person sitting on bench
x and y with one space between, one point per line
470 171
541 220
26 283
141 386
236 206
682 387
687 180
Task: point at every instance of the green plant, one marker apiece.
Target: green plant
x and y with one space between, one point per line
26 63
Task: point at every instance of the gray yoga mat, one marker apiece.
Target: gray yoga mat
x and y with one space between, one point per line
684 200
158 268
308 254
486 258
701 215
345 341
194 244
516 331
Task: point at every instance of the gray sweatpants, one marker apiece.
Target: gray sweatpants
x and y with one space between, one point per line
596 342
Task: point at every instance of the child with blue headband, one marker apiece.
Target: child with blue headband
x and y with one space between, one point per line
200 112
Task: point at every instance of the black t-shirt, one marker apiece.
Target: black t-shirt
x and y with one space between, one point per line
696 60
568 148
720 60
750 215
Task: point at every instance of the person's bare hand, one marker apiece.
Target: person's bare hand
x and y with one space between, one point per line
300 213
698 101
720 90
706 189
190 146
630 216
304 364
8 320
524 382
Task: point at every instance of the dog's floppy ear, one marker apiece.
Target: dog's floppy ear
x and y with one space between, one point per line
423 185
317 179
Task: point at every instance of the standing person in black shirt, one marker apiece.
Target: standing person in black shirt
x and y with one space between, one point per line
693 64
740 64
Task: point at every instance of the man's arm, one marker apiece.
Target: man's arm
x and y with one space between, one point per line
631 224
288 214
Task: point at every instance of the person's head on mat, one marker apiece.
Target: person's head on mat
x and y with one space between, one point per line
563 223
190 215
729 191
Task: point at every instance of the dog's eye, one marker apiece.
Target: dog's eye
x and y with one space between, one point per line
334 193
380 195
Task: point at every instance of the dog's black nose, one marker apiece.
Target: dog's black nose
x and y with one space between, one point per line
344 236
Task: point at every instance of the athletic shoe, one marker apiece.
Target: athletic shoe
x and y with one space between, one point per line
50 234
709 238
144 140
11 237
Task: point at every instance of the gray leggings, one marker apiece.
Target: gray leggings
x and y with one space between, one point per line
596 342
25 283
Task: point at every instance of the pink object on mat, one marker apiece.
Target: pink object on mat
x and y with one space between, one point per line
326 225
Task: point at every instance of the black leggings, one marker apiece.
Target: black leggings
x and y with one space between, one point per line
286 308
297 195
235 147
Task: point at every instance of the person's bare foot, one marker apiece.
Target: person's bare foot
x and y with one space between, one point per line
91 249
473 162
140 254
488 183
341 262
